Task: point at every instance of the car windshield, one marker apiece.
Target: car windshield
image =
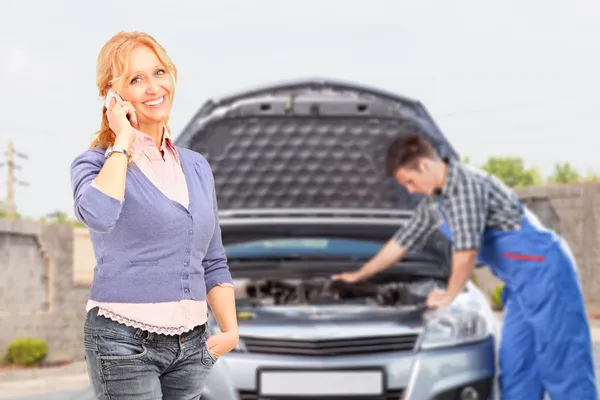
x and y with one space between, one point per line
331 248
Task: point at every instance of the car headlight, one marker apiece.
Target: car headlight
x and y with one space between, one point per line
458 324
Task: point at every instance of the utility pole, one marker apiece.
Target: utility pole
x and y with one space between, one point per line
11 166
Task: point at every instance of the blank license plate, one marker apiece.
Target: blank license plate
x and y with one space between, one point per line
321 383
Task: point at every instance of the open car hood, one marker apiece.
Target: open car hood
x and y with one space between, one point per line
310 149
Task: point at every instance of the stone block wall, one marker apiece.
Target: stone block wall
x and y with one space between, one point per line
38 295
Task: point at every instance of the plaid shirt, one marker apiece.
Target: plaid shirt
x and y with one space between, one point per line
472 201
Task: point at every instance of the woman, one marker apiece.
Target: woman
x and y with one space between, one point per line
152 214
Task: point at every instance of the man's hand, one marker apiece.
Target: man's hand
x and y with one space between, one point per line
439 299
462 265
222 343
388 255
350 277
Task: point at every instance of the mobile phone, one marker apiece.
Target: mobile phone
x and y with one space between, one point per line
111 93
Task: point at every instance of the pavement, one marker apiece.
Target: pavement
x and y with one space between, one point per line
71 382
69 387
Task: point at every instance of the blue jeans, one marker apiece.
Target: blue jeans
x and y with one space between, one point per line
126 363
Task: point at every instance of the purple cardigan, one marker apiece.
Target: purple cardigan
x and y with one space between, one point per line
149 248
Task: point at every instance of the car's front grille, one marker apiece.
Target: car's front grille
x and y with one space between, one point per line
330 347
395 394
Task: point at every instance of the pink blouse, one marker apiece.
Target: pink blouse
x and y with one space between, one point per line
170 318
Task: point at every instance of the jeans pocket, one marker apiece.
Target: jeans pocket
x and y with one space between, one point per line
207 358
120 349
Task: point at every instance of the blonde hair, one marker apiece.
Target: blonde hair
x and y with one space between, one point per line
111 68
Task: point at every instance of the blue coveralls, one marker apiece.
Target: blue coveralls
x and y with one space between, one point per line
545 341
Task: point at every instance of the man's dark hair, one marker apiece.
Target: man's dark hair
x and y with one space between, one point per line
406 150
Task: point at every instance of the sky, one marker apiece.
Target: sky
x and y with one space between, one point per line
500 78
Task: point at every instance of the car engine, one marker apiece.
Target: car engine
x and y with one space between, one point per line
323 291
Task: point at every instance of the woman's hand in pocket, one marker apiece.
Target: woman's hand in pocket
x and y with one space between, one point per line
222 343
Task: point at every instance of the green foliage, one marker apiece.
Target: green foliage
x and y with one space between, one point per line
564 173
61 218
591 176
57 217
496 297
3 213
512 171
26 351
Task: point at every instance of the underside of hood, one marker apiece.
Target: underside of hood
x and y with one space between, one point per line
307 158
310 144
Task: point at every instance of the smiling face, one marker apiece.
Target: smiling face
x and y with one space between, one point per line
148 86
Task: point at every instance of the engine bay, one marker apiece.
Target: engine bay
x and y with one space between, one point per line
324 291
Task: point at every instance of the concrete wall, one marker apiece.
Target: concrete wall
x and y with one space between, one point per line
38 294
46 270
84 259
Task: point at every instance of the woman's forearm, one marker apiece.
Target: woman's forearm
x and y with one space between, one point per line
222 302
112 177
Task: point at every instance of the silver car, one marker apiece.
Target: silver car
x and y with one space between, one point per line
302 193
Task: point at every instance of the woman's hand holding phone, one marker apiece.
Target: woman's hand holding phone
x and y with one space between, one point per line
121 118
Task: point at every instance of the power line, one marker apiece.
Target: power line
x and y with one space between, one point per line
11 180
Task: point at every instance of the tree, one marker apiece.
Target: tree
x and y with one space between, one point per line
61 218
564 173
591 176
4 214
512 171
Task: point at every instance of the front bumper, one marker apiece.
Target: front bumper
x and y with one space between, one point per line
439 374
